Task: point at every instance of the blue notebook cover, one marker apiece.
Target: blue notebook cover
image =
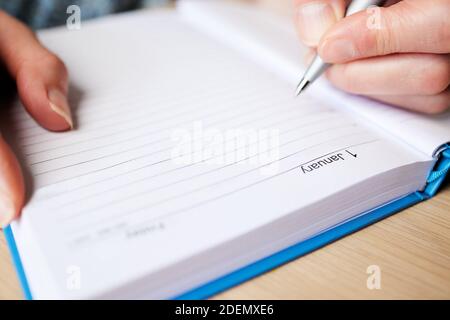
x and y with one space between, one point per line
434 181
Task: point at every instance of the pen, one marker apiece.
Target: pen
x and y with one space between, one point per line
317 66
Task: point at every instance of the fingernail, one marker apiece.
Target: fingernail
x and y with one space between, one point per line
7 210
59 104
337 50
314 19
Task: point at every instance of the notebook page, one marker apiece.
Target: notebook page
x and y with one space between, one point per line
427 133
181 144
271 41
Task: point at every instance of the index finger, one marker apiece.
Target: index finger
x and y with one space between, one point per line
41 77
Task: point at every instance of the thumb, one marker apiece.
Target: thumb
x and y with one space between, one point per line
314 17
407 26
12 190
41 77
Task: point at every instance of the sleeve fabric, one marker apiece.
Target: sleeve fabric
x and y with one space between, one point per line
48 13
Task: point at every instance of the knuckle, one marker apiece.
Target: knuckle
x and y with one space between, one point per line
53 61
386 38
367 42
44 66
46 60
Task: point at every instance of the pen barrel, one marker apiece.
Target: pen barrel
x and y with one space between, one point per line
315 69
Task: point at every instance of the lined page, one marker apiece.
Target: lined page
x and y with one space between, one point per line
180 145
271 41
427 133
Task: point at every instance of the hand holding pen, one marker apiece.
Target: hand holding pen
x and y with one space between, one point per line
398 54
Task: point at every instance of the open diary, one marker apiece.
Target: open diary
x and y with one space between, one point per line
192 167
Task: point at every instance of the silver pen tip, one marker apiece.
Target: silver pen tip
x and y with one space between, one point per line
302 86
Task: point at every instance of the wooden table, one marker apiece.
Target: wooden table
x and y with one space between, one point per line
411 248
